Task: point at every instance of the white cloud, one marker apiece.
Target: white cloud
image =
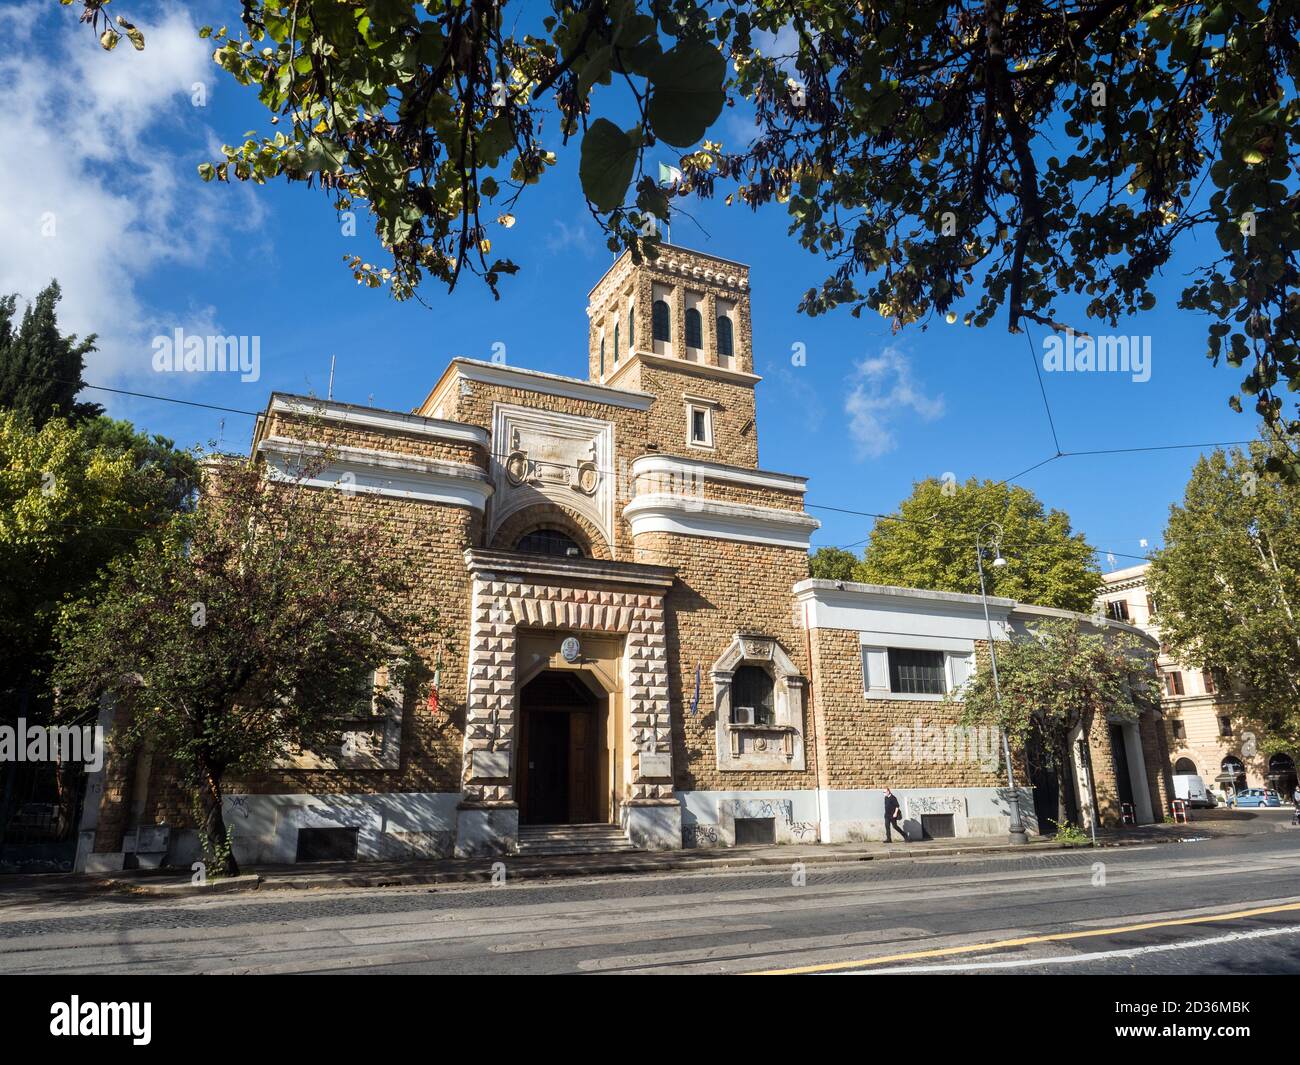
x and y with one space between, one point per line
97 176
882 394
577 236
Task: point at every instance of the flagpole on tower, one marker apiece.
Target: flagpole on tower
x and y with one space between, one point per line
669 177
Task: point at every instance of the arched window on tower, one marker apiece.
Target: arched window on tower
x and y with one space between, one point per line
602 356
615 345
694 329
631 327
661 321
726 341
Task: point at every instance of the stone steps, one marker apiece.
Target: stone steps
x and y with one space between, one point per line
537 840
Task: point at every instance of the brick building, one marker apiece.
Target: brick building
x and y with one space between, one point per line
640 658
1206 728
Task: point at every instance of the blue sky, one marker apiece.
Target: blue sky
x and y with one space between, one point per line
108 144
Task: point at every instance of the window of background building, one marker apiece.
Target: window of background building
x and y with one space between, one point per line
1225 725
914 672
1117 610
1174 683
1178 729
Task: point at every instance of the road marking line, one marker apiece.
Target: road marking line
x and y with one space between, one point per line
1065 959
1023 941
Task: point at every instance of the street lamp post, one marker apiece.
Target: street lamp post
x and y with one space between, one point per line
1017 830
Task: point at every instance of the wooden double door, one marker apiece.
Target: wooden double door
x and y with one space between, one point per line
560 751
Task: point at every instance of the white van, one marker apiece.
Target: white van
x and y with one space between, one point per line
1191 788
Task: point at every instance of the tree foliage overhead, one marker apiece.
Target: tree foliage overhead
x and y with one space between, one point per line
931 544
40 368
1227 584
950 157
244 635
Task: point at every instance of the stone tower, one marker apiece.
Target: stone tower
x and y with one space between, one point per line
679 328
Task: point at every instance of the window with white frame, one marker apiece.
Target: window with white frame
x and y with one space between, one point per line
699 425
916 668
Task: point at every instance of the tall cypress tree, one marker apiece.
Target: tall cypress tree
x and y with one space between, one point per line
40 368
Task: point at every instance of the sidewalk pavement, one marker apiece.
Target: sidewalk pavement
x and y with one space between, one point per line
324 875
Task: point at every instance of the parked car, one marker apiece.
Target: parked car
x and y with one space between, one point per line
1255 797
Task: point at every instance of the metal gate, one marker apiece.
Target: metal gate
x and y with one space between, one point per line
40 810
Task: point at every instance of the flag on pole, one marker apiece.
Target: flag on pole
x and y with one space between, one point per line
695 699
669 175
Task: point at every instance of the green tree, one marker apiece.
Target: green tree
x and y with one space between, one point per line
244 635
40 368
947 158
72 498
1227 584
931 544
1057 679
832 564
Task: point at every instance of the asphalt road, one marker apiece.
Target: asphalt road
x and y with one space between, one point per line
1219 907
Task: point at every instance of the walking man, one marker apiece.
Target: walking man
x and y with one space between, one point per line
893 817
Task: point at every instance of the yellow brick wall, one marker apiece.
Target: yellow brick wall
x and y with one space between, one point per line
858 732
723 588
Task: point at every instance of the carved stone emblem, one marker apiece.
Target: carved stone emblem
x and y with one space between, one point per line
545 455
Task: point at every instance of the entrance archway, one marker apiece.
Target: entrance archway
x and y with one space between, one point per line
562 726
1282 775
1235 773
1184 765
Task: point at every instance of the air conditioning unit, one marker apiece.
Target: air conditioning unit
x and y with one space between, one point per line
742 715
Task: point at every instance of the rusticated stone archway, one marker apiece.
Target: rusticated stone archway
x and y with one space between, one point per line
513 592
551 516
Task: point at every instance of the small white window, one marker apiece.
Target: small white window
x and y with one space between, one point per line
699 426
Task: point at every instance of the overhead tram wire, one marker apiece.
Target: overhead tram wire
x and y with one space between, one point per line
810 506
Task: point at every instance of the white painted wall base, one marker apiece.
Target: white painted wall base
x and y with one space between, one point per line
390 827
653 828
845 815
483 832
407 826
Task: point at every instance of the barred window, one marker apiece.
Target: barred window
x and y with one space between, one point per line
916 672
751 686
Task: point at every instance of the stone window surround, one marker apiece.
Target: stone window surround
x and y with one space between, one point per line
737 744
374 741
958 659
706 407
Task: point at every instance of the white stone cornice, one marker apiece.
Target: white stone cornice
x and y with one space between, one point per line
508 565
678 468
373 418
669 362
548 384
689 515
385 473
